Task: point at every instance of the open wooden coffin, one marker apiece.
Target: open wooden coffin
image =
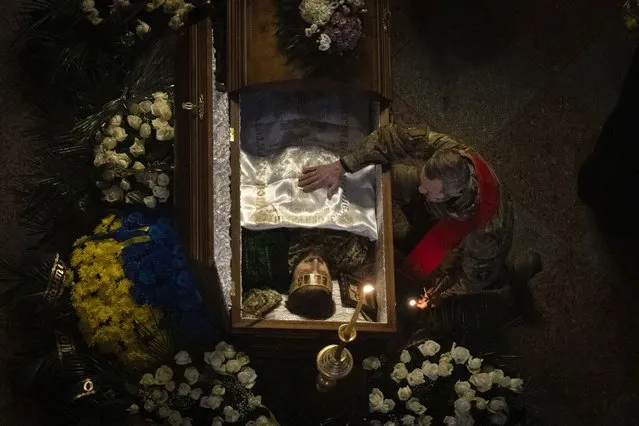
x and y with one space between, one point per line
208 202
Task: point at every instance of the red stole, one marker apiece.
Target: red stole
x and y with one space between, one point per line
448 232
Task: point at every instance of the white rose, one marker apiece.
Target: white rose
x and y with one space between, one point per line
119 134
164 180
149 405
429 348
425 421
162 194
109 143
450 421
182 358
230 414
184 389
516 385
145 106
172 6
387 405
142 28
405 357
137 149
241 357
504 382
470 395
87 5
430 370
233 366
134 121
125 185
160 96
445 358
175 418
164 411
166 133
150 201
227 349
308 32
371 363
163 375
186 422
481 403
147 379
323 47
481 381
191 375
399 372
263 421
255 401
474 365
459 354
137 166
154 4
145 130
416 377
444 369
247 377
158 123
404 393
161 109
498 419
195 394
415 406
170 386
214 359
94 17
496 375
462 406
217 421
120 160
133 409
175 22
375 400
100 159
116 120
497 404
390 423
113 194
218 390
212 402
134 108
160 396
461 388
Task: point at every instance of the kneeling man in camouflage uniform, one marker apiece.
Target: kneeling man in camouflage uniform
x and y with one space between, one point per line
452 219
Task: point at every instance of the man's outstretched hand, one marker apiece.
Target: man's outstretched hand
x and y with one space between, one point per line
322 176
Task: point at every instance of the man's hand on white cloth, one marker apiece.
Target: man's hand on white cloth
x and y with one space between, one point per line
327 176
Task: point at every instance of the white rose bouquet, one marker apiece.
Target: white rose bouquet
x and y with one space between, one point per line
429 385
214 389
134 152
335 25
173 13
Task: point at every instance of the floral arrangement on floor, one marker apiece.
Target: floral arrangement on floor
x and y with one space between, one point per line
430 387
178 11
133 284
320 34
631 14
212 390
134 151
108 316
334 25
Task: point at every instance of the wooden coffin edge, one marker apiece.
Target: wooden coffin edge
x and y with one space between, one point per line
240 325
193 179
238 40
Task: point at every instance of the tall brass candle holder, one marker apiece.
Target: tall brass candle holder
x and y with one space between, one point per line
335 362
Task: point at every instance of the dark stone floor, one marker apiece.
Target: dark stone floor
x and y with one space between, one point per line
529 84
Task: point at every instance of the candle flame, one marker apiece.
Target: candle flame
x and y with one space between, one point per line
368 288
412 302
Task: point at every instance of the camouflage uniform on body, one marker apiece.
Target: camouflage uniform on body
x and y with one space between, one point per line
477 262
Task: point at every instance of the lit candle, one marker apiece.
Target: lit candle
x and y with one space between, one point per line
412 303
362 295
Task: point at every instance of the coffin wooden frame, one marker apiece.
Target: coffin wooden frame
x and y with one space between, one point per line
194 199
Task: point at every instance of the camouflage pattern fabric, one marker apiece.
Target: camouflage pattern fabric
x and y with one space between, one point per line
478 261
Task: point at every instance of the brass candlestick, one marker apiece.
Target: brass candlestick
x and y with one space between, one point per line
335 362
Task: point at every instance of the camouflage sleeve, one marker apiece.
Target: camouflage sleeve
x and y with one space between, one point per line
395 143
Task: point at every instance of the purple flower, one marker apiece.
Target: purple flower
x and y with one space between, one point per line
344 31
